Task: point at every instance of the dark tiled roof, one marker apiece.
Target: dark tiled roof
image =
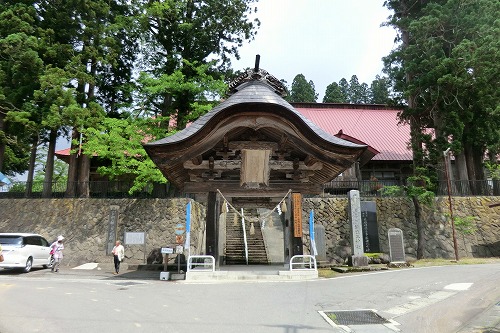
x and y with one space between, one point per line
253 92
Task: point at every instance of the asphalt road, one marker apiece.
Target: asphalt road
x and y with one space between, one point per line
434 299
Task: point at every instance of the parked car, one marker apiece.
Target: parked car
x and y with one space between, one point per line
24 250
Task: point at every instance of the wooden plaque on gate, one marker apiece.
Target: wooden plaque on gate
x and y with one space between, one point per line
297 214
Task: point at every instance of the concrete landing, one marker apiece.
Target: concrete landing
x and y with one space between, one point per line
250 273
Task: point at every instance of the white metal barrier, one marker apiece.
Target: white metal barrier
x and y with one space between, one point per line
310 264
201 266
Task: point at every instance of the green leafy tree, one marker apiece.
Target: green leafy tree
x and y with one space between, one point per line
302 91
465 226
419 191
379 90
117 143
358 93
93 44
176 31
20 66
344 88
205 88
443 72
334 94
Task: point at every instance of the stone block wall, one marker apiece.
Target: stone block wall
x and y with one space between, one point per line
399 213
85 223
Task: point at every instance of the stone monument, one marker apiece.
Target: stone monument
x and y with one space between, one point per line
396 246
358 257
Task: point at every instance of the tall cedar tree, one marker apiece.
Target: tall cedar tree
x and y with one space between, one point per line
446 70
302 91
182 36
20 66
97 52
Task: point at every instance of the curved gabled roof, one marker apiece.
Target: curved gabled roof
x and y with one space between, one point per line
254 117
253 92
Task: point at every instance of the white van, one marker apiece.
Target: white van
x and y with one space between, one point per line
23 250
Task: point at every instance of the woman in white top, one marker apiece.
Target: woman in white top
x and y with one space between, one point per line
119 254
56 251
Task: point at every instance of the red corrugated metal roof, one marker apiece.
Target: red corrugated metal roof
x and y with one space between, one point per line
375 125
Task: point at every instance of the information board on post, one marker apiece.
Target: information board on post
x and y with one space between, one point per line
135 238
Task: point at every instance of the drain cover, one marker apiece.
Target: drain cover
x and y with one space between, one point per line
358 317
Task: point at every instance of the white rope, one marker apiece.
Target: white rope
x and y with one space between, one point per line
252 219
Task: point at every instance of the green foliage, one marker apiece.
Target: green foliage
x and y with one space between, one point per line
493 169
379 90
60 175
182 37
418 187
117 143
203 86
334 94
355 92
465 225
446 73
302 91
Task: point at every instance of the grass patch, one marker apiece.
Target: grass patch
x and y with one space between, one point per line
461 261
326 273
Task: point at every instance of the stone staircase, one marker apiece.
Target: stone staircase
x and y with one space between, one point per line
235 245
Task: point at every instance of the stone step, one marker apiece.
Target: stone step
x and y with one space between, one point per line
254 275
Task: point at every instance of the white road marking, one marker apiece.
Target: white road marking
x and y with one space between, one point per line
419 303
458 286
90 265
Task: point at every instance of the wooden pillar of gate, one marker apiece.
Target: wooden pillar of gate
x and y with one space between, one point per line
212 230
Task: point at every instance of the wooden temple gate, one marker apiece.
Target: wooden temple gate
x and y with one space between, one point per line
253 147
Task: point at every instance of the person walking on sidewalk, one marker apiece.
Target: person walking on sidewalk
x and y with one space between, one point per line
56 251
119 254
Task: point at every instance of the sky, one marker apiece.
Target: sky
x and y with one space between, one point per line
325 40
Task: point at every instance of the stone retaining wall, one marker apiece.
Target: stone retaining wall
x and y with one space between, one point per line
399 213
85 224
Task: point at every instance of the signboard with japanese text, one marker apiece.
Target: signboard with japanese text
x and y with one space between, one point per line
370 227
297 214
167 250
135 238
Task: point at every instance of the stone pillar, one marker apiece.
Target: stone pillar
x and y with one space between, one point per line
358 257
319 236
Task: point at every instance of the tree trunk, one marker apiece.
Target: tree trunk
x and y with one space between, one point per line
478 158
49 165
462 184
420 229
83 176
471 172
3 142
31 167
73 166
